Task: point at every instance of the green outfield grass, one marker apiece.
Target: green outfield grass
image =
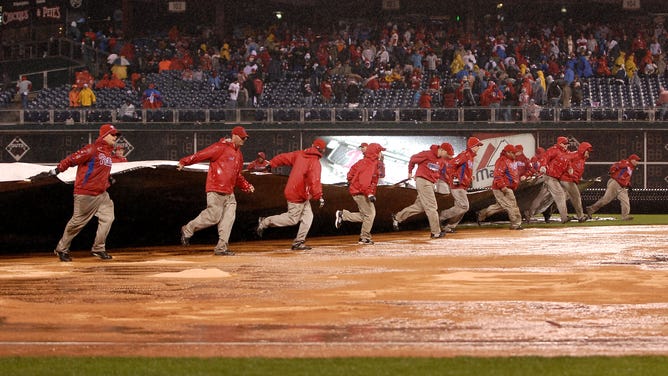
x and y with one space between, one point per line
538 366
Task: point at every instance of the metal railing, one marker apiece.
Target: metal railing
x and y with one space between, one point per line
510 115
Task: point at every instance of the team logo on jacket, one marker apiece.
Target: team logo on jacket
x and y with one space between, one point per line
433 166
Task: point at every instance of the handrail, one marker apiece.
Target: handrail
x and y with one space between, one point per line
335 115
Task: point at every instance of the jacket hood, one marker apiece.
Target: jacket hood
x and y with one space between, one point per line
584 146
312 151
434 149
373 151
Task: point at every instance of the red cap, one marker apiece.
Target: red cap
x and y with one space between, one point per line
106 129
239 131
319 144
562 140
363 145
448 148
262 155
509 149
634 157
519 148
472 142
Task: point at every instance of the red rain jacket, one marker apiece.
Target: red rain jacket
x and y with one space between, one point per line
93 163
304 180
225 165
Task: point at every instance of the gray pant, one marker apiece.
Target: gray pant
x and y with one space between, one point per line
85 207
455 214
551 187
366 215
571 189
221 210
425 202
504 201
612 191
298 212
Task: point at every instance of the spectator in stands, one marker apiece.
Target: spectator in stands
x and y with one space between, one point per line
326 90
151 97
23 88
233 91
663 102
74 96
307 93
425 99
87 97
127 111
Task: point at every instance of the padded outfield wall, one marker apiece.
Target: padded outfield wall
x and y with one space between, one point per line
47 144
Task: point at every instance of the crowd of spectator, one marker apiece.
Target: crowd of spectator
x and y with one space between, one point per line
444 65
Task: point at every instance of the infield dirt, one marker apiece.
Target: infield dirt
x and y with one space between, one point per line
482 292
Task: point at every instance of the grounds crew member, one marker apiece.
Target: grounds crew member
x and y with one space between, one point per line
429 164
506 180
618 187
461 177
302 186
362 182
91 199
225 166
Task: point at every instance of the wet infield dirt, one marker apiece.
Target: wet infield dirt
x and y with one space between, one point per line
549 291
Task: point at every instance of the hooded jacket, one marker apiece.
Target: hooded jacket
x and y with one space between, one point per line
576 163
461 170
556 161
93 163
364 174
505 174
622 172
428 164
304 180
225 165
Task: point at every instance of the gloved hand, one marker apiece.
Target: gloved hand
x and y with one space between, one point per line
322 202
45 174
371 198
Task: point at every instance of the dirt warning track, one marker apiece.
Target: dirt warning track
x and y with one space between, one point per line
481 292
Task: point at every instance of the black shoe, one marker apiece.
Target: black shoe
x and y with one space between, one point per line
448 230
338 219
63 256
300 247
478 220
395 223
439 235
259 230
224 252
365 242
185 241
547 216
103 255
517 228
582 219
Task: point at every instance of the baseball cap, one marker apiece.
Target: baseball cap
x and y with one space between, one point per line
319 144
472 142
519 148
106 129
448 148
634 157
239 131
509 149
262 155
562 140
363 145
